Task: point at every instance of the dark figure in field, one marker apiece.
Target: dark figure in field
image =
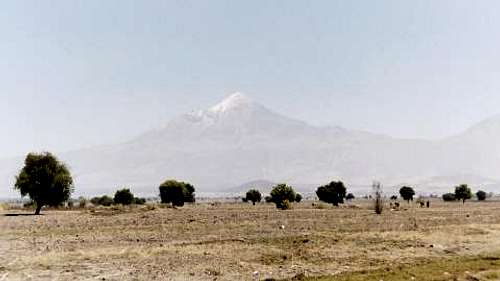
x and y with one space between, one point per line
428 204
422 204
396 204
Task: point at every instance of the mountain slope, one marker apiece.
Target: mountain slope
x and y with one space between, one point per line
239 140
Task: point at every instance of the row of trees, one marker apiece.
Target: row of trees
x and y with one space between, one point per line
48 182
282 195
123 196
463 192
171 191
335 193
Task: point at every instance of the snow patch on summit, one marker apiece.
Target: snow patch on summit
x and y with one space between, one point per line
234 101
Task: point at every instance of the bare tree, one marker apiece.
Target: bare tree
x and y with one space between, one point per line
378 200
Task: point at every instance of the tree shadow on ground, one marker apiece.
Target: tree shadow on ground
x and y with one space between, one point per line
21 215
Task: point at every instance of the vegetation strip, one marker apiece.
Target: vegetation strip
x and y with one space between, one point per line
483 267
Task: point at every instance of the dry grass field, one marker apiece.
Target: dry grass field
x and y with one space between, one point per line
448 241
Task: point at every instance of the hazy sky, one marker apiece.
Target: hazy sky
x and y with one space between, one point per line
80 73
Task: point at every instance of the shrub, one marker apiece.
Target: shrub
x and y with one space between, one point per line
106 201
449 197
481 195
463 192
102 201
124 197
349 196
394 197
176 192
334 193
282 193
95 200
378 202
139 201
298 198
253 196
407 193
268 199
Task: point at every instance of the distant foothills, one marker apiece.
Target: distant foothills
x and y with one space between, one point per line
240 143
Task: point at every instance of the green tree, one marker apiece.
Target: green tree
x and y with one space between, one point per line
45 180
253 196
463 192
282 195
139 201
124 197
189 193
176 192
481 195
103 200
333 193
449 197
407 193
298 198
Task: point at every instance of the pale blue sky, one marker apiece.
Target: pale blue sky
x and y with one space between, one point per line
81 73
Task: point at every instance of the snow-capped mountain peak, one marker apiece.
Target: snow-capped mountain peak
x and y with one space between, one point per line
235 101
239 140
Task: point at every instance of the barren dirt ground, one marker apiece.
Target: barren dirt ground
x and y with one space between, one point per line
241 241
